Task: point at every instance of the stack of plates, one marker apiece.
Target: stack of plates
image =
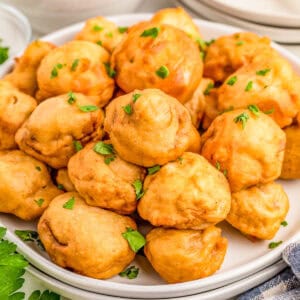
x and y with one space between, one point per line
279 20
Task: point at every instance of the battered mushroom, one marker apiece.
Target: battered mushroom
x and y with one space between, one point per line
186 194
259 211
15 108
148 127
177 17
158 56
247 145
78 66
87 240
270 82
291 163
229 53
184 255
26 188
59 127
63 180
104 179
102 32
24 74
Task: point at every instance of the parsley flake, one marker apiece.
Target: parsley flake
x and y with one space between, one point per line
273 245
128 109
99 43
74 65
71 97
249 86
263 72
77 145
180 160
208 88
38 168
232 80
109 159
4 54
254 109
240 43
135 239
69 204
104 149
110 72
153 169
122 29
54 72
138 187
242 118
152 32
218 166
88 108
270 111
225 172
163 72
284 223
135 97
60 187
131 272
30 236
97 28
39 202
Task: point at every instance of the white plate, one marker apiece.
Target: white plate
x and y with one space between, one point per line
243 257
272 12
222 293
282 35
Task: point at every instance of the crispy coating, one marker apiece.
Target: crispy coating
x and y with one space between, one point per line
158 129
184 255
259 210
179 18
229 53
87 240
291 163
250 155
63 179
196 105
102 32
77 66
26 188
270 82
56 127
138 58
15 108
24 74
186 194
105 184
195 141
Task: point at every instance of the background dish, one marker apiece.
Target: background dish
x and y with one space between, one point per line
243 257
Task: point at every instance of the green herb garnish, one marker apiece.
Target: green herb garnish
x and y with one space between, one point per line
242 118
104 149
249 86
109 34
263 72
135 240
69 204
30 236
38 168
270 111
135 97
153 170
284 223
163 72
208 88
152 32
46 295
88 108
54 72
97 28
240 43
138 187
131 272
128 109
254 109
60 187
110 72
218 166
4 54
71 97
273 245
232 80
99 43
77 145
122 29
39 202
74 65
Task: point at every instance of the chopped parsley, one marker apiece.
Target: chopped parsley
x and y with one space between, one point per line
110 72
225 172
122 29
240 43
71 97
4 54
268 112
249 86
135 239
273 245
69 204
163 72
97 28
135 97
38 168
109 34
107 150
152 32
60 187
254 109
77 145
99 43
218 166
88 108
74 65
54 72
131 272
284 223
39 202
109 159
153 169
138 187
242 118
180 160
208 88
232 80
30 236
263 72
127 109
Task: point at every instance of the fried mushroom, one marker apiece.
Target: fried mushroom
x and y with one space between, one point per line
58 128
186 194
87 240
103 179
77 66
158 56
148 127
26 188
247 145
259 210
184 255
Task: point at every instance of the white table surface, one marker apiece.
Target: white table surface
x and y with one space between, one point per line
31 283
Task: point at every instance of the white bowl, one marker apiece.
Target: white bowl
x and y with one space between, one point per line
49 15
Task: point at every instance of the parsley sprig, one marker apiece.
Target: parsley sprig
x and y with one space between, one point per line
135 239
242 118
107 150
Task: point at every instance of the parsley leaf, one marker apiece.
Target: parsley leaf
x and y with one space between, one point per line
122 29
135 97
262 72
152 32
208 88
218 166
99 43
270 111
128 109
97 28
109 159
38 168
242 118
232 80
249 86
284 223
104 149
4 54
163 72
77 145
74 65
239 43
135 240
88 108
131 272
138 187
153 169
27 235
71 97
254 109
54 72
39 202
273 245
69 204
2 232
110 72
46 295
109 34
60 187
